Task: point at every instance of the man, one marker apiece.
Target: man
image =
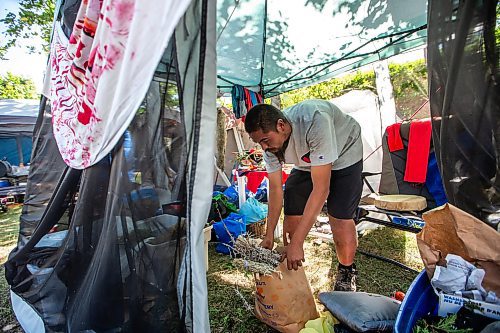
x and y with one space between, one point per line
325 146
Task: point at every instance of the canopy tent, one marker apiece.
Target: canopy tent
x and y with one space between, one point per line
124 259
17 121
278 46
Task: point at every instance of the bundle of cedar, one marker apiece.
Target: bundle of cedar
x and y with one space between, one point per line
254 258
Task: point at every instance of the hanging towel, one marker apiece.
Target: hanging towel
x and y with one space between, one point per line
417 158
248 99
236 98
240 106
259 98
394 140
253 97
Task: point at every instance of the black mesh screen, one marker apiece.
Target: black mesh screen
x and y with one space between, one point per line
100 250
463 66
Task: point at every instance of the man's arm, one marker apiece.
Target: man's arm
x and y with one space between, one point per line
274 207
321 187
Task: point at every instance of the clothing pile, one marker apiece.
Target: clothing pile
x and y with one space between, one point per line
243 100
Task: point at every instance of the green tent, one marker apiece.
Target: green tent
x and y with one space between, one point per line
284 45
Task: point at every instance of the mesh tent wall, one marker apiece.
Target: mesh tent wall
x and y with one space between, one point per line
119 246
464 75
283 45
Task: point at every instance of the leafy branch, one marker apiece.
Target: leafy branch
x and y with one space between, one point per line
31 23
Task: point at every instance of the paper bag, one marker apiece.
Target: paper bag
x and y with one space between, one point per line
451 230
284 300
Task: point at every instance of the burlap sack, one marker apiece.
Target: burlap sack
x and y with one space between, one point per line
451 230
284 300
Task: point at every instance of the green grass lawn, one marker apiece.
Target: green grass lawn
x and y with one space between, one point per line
9 229
230 291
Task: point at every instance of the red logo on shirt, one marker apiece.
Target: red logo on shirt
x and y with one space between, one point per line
306 157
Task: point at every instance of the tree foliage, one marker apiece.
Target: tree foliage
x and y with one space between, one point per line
32 23
409 82
16 87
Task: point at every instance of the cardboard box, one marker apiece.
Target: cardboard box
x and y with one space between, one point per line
449 304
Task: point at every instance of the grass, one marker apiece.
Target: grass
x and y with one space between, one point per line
230 291
9 230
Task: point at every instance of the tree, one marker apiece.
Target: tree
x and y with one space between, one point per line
14 87
32 22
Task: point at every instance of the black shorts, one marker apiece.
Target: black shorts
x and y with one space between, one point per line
346 186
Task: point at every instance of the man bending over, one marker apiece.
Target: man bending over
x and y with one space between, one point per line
325 146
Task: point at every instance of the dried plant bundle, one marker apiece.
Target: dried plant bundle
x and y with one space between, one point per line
254 267
255 258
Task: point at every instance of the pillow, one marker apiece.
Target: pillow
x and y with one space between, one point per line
362 312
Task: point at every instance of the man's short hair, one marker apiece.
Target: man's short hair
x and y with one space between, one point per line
263 117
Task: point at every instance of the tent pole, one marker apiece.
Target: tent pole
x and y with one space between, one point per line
264 39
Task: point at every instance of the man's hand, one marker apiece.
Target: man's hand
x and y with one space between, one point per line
294 255
268 242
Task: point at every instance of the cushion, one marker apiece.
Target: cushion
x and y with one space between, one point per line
362 312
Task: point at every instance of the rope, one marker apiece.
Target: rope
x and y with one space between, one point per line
237 2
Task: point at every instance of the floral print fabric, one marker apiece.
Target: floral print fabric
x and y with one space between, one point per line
98 77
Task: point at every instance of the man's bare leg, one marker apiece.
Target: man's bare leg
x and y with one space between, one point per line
346 243
345 238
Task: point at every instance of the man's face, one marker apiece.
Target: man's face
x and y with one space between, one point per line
272 141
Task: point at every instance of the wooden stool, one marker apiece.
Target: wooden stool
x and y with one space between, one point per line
400 202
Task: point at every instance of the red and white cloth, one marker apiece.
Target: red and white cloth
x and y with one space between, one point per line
98 78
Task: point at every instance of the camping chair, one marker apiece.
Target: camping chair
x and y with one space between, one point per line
400 204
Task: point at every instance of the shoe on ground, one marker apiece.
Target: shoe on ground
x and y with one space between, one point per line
345 279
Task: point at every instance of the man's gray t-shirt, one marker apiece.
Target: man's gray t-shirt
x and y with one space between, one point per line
321 134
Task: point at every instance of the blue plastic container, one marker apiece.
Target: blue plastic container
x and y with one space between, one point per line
420 300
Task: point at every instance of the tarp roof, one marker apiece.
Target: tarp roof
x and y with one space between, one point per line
284 45
19 111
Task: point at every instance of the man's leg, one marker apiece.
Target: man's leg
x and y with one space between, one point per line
298 186
345 192
345 238
346 243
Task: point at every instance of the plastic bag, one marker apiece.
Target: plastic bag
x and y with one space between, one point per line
221 207
232 226
324 324
253 210
232 194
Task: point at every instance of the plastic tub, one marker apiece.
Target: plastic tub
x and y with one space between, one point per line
420 300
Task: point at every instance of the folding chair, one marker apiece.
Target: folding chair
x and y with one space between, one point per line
401 203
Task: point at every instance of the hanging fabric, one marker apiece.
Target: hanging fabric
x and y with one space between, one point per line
394 140
418 151
243 100
98 77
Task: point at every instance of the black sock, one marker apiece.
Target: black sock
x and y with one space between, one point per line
350 267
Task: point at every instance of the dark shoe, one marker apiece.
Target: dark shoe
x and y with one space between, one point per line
346 279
